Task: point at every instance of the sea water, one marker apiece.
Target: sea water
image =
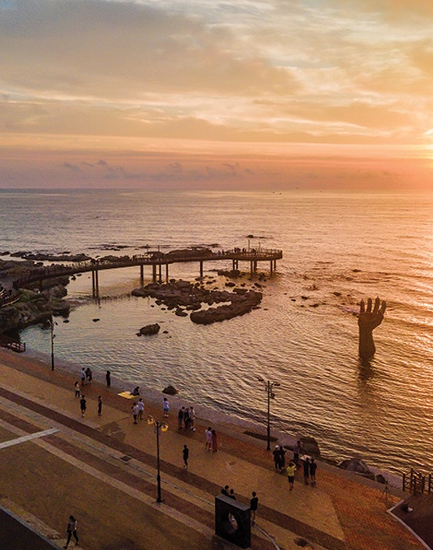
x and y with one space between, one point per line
338 248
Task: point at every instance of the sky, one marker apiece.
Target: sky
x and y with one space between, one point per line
199 94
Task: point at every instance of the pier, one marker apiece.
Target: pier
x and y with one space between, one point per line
158 261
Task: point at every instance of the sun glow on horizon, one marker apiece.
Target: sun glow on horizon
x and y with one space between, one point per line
212 92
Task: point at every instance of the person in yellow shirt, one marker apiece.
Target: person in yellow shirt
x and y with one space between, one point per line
291 469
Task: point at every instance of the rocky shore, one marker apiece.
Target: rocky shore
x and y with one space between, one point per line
23 307
29 306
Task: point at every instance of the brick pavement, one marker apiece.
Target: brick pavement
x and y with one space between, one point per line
94 458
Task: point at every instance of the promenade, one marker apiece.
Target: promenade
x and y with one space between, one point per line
102 469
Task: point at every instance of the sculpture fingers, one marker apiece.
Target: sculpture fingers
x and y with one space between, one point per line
369 304
376 304
362 307
383 308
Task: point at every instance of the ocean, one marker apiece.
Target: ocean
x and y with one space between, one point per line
338 248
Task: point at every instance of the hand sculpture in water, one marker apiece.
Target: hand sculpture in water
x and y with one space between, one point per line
368 320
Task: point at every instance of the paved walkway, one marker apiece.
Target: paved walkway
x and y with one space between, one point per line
102 469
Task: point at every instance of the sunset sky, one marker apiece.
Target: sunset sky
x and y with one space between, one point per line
243 94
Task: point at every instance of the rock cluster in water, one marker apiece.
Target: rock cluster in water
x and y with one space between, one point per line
42 257
30 306
183 296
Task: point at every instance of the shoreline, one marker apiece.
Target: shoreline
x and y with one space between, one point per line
232 425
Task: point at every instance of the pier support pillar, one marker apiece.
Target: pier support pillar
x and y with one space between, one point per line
160 273
142 275
166 273
201 269
154 273
95 283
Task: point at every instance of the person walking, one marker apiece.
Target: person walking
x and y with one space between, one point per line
291 469
140 408
186 419
282 460
77 389
135 412
191 415
313 468
83 376
214 441
108 378
71 531
83 405
89 375
180 415
99 405
276 455
254 502
166 407
306 466
185 454
208 435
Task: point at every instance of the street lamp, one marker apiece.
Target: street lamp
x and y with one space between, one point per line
51 322
159 427
269 387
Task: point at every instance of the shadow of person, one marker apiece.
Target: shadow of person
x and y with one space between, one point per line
368 319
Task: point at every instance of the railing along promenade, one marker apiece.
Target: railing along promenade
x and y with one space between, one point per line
156 259
417 482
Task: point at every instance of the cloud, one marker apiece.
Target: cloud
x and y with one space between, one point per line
109 75
124 50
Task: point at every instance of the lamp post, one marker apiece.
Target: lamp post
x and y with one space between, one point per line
52 323
159 427
269 387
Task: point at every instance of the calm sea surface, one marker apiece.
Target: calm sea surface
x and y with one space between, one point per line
338 248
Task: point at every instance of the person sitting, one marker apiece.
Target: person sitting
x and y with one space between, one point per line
136 391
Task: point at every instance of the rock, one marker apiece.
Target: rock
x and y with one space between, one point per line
170 390
148 330
357 465
380 479
310 446
180 312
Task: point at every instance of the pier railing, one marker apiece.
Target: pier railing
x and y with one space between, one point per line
418 482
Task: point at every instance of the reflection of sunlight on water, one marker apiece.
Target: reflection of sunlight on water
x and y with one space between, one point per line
350 245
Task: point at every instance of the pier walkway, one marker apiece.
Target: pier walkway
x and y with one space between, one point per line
156 260
102 469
